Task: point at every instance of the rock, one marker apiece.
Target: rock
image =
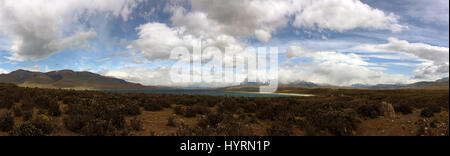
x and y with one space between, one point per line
388 110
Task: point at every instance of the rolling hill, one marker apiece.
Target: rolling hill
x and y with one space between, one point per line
67 79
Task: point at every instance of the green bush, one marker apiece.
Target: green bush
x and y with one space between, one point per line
6 122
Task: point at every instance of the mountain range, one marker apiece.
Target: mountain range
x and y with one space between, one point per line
438 84
67 79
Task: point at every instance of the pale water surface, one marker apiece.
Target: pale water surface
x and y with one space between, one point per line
241 93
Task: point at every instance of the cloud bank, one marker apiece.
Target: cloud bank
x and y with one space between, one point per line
40 28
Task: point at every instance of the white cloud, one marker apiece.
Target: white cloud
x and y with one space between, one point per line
298 51
158 77
340 74
326 56
3 71
40 28
425 51
35 68
224 23
263 36
103 60
241 19
157 40
437 57
261 18
343 15
329 67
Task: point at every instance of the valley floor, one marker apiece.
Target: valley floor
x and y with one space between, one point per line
333 112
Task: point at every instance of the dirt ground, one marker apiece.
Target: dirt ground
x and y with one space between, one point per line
155 124
406 125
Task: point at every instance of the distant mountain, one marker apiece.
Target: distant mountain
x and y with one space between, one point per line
379 86
439 84
293 84
444 80
303 84
66 79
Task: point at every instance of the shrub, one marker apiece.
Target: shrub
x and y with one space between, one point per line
131 110
427 112
117 120
98 127
6 122
54 110
279 129
17 111
212 120
27 104
179 110
152 107
75 123
200 109
404 108
69 100
335 122
369 111
171 122
436 108
26 129
6 102
136 124
44 123
27 115
184 130
190 112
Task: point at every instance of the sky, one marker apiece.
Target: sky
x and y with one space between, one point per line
336 42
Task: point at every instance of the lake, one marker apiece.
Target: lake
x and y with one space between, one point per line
241 93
